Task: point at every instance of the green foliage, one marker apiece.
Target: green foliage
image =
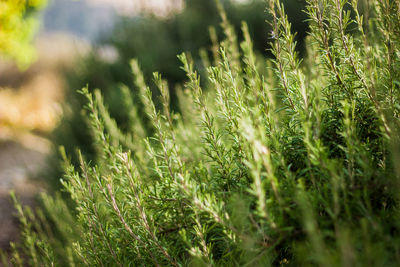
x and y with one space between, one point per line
155 42
295 167
18 25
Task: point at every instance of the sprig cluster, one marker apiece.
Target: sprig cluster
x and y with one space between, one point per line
298 166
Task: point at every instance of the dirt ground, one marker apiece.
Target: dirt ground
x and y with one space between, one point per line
18 165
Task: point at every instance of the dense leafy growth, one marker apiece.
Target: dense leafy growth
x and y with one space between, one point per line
298 166
155 42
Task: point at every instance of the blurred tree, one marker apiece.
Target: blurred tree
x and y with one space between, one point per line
17 27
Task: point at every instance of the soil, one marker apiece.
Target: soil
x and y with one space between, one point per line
18 165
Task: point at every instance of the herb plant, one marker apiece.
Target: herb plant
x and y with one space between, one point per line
285 161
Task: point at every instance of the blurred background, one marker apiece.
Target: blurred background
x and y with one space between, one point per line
71 44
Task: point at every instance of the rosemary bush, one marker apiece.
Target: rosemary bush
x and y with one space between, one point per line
299 166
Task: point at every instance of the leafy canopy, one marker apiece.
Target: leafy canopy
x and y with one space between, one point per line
18 24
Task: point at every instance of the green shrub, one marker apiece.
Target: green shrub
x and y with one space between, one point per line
140 37
296 167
